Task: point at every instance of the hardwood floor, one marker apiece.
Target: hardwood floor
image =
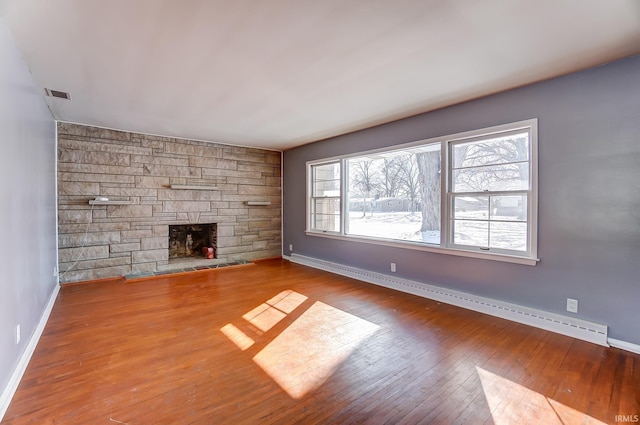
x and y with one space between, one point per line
280 343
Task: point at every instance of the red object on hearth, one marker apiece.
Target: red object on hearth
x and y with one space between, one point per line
208 252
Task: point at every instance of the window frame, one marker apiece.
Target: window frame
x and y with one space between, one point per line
311 192
446 246
528 192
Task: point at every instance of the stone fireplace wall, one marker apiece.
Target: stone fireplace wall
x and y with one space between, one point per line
139 169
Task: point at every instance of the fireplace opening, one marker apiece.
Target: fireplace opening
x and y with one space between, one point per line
188 240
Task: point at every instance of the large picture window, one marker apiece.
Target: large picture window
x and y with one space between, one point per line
472 194
395 195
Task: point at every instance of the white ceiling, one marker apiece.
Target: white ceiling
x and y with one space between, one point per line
281 73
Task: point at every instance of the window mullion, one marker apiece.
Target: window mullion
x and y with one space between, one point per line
445 199
344 203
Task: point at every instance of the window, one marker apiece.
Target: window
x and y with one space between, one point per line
325 197
472 194
489 193
385 193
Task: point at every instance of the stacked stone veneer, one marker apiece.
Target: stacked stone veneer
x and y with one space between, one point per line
131 239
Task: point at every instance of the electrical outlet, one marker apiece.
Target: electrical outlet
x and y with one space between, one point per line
393 267
572 305
55 272
291 247
18 334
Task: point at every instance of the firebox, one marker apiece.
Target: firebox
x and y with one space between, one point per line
187 240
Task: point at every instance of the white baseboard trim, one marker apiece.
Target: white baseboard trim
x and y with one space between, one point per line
624 345
569 326
21 367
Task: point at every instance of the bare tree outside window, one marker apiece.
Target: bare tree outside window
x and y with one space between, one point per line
364 180
429 179
391 177
409 180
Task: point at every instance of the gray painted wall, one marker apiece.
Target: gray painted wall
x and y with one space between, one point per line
28 205
589 198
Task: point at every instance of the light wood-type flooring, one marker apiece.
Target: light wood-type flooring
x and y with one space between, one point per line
280 343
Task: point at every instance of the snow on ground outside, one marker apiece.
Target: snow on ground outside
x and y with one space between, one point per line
406 226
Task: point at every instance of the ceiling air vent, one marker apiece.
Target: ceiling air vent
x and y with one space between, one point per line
57 93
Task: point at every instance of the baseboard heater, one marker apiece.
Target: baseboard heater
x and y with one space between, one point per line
569 326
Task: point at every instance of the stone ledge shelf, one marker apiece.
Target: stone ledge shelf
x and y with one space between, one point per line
94 202
258 203
192 187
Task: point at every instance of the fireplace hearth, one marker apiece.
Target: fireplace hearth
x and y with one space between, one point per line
188 240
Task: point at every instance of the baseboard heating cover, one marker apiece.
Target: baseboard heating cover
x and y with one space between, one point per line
569 326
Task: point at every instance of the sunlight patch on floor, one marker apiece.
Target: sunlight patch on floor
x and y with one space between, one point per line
309 350
287 301
264 317
512 403
268 314
239 338
307 353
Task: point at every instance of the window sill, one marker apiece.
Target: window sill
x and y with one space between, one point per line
429 248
